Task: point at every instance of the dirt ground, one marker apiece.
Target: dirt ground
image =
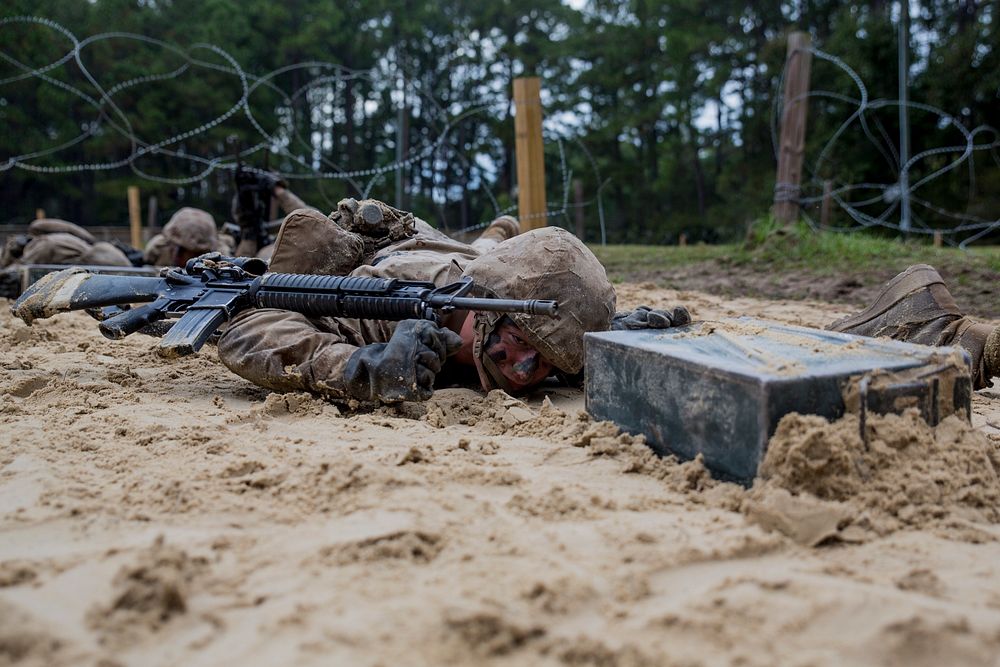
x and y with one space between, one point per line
974 287
164 513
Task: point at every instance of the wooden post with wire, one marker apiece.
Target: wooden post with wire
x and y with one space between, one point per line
134 216
530 153
39 213
791 146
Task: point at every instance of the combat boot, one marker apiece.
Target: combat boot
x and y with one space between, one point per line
503 228
916 307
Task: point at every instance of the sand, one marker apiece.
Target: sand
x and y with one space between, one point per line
158 512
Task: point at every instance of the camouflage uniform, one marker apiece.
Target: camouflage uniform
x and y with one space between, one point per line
53 241
288 351
191 229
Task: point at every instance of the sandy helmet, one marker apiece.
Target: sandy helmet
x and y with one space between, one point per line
192 229
548 263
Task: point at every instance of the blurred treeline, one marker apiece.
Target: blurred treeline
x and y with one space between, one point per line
672 101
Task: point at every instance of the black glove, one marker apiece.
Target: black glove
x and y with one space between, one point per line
645 317
404 368
271 180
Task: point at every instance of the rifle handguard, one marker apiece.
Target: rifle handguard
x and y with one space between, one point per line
334 296
380 298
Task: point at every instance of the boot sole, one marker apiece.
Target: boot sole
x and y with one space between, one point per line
915 277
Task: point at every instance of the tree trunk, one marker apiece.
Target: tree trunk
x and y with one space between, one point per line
699 174
967 14
349 160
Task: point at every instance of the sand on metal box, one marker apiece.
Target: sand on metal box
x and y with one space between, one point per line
719 388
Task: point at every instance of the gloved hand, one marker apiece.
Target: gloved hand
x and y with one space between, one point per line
404 368
270 180
645 317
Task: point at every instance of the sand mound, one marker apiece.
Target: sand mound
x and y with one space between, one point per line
470 530
488 633
898 472
501 414
24 640
411 545
147 594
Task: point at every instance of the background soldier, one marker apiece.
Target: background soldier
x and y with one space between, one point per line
189 233
251 210
916 307
53 241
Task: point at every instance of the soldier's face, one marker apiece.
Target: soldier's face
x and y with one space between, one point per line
182 255
517 360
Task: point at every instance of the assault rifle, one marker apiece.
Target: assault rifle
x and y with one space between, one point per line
253 205
211 289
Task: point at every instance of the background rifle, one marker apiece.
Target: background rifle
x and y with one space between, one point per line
253 205
212 289
134 255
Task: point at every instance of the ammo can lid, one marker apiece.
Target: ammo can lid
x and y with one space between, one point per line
764 350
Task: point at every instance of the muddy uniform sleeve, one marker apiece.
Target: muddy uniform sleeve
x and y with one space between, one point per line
287 351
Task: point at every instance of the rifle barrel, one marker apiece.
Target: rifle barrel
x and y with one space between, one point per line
528 307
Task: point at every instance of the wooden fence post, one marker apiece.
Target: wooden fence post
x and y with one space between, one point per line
134 216
530 153
791 147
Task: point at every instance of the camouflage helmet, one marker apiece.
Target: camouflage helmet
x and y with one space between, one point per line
192 229
547 263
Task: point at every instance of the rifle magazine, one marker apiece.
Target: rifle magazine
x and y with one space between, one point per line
191 332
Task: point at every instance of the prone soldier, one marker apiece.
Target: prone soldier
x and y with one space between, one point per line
916 307
387 361
189 232
53 241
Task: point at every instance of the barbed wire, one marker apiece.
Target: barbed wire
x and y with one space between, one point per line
111 116
970 227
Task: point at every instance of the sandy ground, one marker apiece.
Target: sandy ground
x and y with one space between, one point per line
164 513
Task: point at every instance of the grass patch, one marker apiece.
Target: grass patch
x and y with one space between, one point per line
625 261
827 252
798 249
